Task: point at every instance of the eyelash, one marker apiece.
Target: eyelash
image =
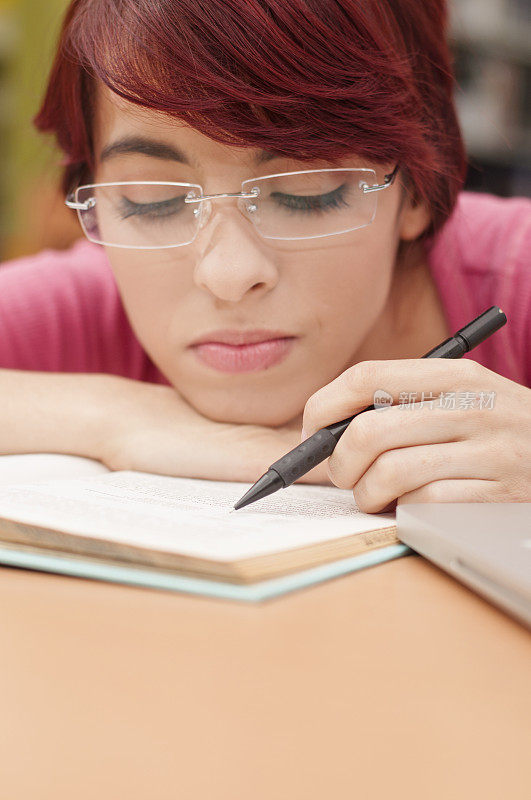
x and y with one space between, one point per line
314 204
153 210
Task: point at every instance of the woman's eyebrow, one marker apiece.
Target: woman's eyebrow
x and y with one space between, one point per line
162 150
144 146
267 155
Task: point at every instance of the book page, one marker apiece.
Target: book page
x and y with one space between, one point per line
189 516
40 467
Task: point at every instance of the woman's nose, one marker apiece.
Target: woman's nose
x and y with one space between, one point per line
231 262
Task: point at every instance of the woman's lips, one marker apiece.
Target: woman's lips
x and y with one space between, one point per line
244 357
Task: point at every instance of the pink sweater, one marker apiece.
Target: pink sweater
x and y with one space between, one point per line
61 311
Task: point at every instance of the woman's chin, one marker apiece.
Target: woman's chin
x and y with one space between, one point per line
248 415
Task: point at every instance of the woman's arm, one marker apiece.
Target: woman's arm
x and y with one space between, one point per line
53 412
133 425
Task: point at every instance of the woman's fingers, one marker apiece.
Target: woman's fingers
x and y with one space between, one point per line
373 433
459 491
354 389
396 473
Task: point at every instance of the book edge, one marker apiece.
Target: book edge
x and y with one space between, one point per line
152 579
242 571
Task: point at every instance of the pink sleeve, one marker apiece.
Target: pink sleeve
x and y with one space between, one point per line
522 291
482 257
60 311
503 242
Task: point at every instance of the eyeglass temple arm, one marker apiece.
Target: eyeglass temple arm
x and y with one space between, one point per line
71 203
388 180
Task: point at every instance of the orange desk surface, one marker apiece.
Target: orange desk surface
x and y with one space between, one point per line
395 682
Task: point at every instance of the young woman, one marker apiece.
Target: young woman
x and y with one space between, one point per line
271 194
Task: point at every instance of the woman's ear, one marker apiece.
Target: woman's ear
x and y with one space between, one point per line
413 217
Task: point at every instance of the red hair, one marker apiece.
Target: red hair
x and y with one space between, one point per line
309 79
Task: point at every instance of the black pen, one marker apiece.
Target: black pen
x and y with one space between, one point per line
316 448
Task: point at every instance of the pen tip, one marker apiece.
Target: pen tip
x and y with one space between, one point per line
267 484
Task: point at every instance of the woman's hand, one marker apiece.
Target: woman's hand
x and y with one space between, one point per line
151 428
426 450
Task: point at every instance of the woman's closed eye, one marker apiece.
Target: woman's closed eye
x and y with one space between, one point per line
153 210
314 203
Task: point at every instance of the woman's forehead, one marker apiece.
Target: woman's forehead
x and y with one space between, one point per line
117 120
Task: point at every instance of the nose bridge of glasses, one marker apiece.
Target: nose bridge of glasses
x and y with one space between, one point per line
191 197
203 204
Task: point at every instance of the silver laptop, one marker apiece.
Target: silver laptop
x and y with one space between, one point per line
485 545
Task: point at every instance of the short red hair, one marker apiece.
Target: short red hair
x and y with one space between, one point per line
306 78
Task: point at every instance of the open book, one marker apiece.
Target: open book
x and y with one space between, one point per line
76 507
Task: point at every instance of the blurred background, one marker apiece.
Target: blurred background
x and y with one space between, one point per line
491 43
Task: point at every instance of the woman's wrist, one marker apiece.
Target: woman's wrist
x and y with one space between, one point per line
55 412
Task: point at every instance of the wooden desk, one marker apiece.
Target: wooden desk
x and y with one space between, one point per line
394 682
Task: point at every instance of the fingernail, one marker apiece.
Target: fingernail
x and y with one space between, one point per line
304 435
